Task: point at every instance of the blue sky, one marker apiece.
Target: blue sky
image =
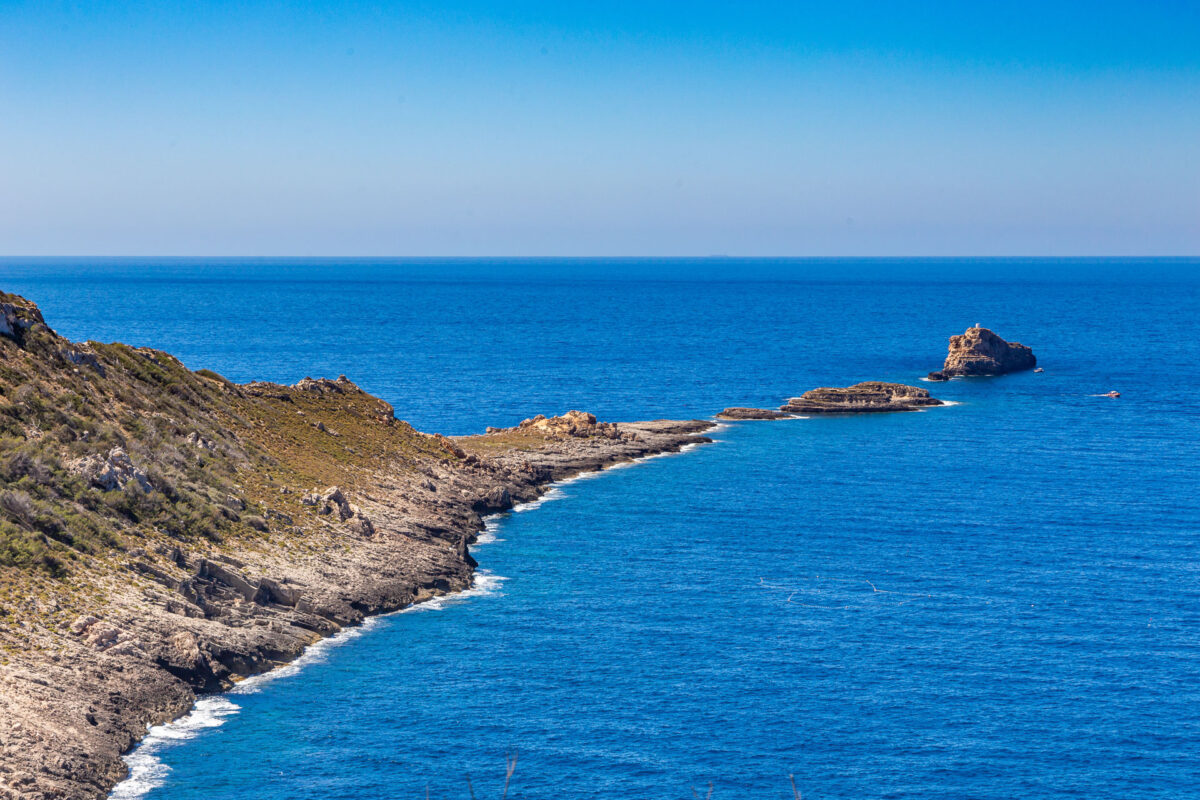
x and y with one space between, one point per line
623 128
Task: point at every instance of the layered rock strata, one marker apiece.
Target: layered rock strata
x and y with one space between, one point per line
978 351
861 397
741 412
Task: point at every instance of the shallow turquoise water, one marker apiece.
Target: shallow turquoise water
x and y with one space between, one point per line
996 599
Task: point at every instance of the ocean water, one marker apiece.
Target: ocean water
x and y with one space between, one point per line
995 599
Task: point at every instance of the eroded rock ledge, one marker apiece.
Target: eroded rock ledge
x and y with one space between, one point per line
741 412
861 397
870 396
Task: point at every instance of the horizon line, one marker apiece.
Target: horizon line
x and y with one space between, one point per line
709 257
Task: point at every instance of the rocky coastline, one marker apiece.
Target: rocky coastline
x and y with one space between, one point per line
229 527
211 620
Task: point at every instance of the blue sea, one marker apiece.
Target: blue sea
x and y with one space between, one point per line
995 599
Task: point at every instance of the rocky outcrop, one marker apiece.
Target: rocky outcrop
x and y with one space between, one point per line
578 424
978 351
861 397
740 412
110 471
18 316
82 356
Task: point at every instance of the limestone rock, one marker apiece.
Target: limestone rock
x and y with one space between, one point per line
325 386
81 355
978 351
861 397
740 412
110 472
16 318
200 443
183 649
498 498
574 424
335 500
362 524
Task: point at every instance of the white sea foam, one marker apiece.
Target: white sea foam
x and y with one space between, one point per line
484 583
488 534
146 769
553 494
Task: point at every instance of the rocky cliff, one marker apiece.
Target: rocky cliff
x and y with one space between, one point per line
978 351
861 397
165 532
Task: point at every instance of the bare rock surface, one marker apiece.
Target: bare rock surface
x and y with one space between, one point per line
978 351
741 412
110 471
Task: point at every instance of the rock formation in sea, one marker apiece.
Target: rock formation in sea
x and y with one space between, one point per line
165 532
741 412
861 397
978 351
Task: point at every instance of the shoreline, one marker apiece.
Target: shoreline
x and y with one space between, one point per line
146 772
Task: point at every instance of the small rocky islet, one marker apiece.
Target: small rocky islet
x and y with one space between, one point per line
978 351
870 396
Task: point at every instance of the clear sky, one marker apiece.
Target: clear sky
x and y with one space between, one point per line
464 127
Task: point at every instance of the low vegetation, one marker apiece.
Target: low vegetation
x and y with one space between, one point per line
207 460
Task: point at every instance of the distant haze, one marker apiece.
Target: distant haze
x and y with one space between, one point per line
616 128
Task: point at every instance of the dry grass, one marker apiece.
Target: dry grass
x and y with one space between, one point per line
218 457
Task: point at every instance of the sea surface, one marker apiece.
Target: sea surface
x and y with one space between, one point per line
995 599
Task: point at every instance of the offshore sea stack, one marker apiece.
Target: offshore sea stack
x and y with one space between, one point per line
981 352
861 397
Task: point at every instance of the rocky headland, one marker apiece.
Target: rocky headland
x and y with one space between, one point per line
978 351
164 533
